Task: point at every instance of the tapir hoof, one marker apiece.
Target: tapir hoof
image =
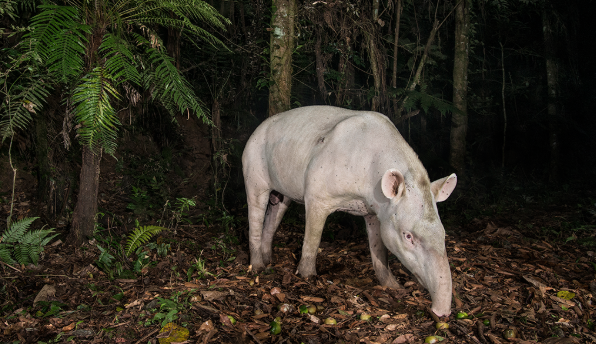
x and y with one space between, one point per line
257 267
391 283
306 270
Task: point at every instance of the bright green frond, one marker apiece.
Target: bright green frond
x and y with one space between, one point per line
92 99
140 236
59 39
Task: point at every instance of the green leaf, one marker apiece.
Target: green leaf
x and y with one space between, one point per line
140 236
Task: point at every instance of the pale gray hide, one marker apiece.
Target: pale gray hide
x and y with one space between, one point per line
333 159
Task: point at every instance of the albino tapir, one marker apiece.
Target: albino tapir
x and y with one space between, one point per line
333 159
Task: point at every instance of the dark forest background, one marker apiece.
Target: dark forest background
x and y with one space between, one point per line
163 152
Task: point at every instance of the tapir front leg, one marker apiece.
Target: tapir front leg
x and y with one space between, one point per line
315 221
278 204
378 252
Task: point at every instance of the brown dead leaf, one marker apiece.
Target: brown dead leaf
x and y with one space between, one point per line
490 228
541 286
225 320
493 338
567 303
275 290
191 285
211 295
312 299
207 326
69 328
336 299
404 338
45 294
569 340
262 335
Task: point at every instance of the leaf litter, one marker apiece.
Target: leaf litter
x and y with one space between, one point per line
511 288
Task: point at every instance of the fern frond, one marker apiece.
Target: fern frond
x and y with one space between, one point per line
5 254
105 259
16 230
59 39
140 236
21 253
186 13
170 88
17 108
119 59
94 111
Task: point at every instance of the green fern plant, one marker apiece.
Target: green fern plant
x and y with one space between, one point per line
96 50
18 245
140 236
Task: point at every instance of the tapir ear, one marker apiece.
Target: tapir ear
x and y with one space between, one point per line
392 183
443 187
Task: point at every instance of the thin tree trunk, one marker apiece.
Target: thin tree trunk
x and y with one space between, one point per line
173 45
216 128
320 67
552 71
459 119
418 74
377 69
342 68
376 60
395 49
83 221
282 47
504 111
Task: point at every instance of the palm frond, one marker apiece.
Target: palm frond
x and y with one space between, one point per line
140 236
92 99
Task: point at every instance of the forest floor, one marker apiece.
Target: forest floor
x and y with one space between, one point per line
529 270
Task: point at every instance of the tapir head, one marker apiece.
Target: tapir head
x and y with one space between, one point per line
415 234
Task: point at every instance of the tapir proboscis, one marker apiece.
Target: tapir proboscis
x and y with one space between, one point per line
333 159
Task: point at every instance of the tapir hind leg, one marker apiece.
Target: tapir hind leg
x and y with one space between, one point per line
278 204
378 252
257 206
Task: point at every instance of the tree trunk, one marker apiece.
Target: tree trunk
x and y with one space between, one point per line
552 71
320 67
83 221
459 119
418 74
173 45
504 110
216 128
281 47
395 46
